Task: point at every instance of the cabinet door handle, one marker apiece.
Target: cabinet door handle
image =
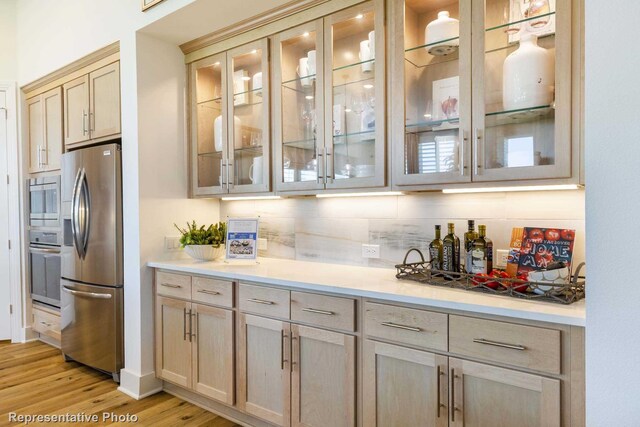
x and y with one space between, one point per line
320 164
329 176
38 153
404 327
283 338
184 323
454 408
84 122
191 324
295 350
261 301
439 403
465 140
477 146
92 119
208 292
169 285
500 344
316 311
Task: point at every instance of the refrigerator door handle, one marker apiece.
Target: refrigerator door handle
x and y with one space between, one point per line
86 294
86 226
75 213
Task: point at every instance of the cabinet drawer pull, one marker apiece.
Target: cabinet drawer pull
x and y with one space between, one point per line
45 323
406 328
316 311
208 292
168 285
261 301
499 344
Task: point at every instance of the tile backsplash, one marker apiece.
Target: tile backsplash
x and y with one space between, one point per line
333 230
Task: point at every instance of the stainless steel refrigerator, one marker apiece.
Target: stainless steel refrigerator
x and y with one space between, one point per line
92 258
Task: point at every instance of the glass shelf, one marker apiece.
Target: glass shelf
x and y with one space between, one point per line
524 115
368 136
305 144
508 24
433 126
206 101
297 79
257 101
348 66
257 149
211 154
425 46
342 85
252 91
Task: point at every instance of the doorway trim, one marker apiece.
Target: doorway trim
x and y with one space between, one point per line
14 169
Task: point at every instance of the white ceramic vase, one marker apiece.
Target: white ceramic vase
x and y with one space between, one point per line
528 76
217 132
443 28
205 252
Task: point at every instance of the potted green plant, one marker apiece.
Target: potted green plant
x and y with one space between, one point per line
204 244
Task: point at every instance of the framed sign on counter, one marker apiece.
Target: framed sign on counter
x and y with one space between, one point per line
242 238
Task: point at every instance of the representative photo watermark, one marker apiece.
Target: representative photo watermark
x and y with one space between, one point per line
68 418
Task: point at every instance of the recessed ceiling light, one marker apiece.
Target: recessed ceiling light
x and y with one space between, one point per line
309 97
254 51
216 64
305 34
359 16
367 86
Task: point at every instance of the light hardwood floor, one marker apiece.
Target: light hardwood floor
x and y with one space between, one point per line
34 379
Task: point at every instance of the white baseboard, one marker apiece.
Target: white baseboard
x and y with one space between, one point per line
138 386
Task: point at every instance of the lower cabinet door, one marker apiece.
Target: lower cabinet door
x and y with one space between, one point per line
173 341
484 395
323 378
212 334
404 387
264 369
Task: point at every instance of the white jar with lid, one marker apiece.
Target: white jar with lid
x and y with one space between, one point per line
442 30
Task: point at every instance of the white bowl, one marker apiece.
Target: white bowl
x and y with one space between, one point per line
205 252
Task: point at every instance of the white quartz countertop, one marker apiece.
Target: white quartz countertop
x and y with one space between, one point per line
379 283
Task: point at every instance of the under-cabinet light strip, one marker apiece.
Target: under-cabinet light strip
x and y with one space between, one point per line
229 199
386 193
504 189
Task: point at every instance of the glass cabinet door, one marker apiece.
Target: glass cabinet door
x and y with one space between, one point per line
354 97
298 107
522 92
431 58
248 161
209 125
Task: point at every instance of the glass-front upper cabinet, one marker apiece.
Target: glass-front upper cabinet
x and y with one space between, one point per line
522 89
209 125
354 47
298 107
431 59
248 162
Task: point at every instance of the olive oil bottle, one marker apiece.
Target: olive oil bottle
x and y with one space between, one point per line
435 251
469 237
482 252
451 250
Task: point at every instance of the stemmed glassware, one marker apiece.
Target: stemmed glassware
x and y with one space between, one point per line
539 9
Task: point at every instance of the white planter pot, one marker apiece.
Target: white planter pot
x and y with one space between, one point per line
205 252
528 76
443 28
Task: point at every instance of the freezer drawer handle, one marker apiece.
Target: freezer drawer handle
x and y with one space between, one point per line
87 294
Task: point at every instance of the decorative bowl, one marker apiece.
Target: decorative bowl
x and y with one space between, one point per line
205 252
560 276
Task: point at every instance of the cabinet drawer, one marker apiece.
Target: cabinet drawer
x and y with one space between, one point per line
323 310
46 323
212 291
418 328
173 285
529 347
263 300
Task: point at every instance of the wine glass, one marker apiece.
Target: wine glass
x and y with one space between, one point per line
512 12
538 9
358 104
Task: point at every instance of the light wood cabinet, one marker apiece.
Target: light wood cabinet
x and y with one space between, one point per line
44 115
323 378
194 347
264 385
404 386
484 395
92 106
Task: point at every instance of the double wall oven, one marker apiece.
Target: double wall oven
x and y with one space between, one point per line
45 239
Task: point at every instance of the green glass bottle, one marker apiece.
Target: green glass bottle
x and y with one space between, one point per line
482 252
435 251
469 237
451 250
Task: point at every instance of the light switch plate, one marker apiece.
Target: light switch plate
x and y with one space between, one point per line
370 251
171 243
501 258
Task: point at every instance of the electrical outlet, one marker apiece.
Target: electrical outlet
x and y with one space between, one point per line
262 244
171 243
501 258
370 251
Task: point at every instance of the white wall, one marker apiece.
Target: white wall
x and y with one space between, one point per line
612 203
8 58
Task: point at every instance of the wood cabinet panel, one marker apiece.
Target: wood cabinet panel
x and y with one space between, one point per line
323 310
35 136
212 291
264 300
46 323
173 285
76 110
104 105
323 378
173 344
53 133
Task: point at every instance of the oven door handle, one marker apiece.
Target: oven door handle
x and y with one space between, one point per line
86 294
44 250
